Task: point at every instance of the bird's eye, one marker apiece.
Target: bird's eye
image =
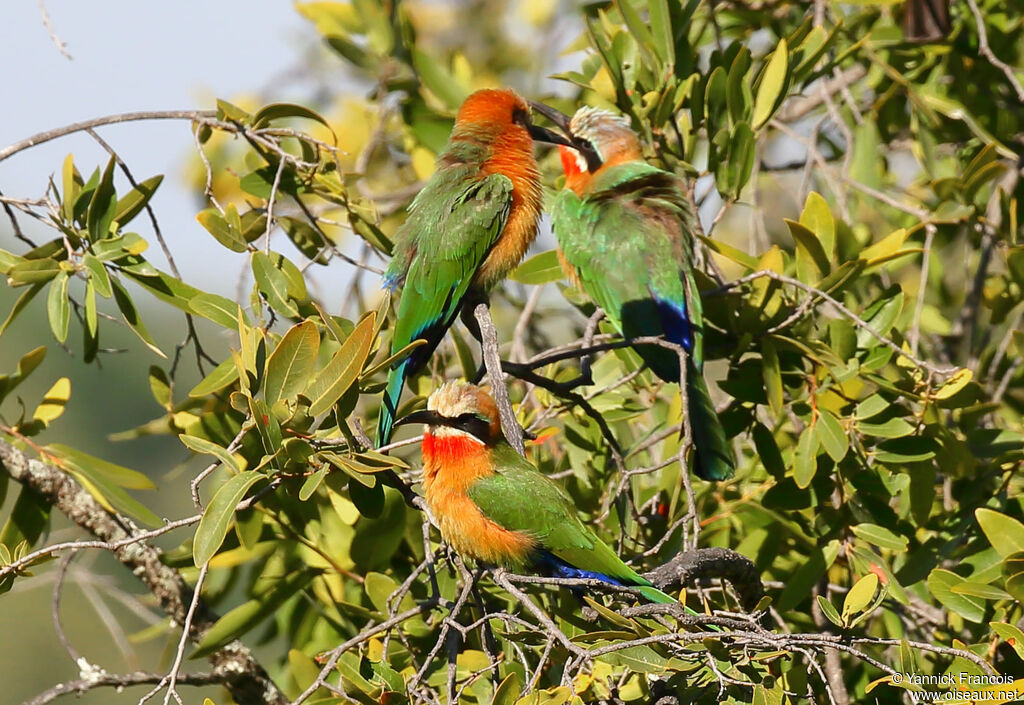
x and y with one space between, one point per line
520 116
474 425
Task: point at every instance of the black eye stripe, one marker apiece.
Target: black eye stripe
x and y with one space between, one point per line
473 425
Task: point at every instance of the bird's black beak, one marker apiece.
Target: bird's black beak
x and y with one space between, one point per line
543 134
538 133
424 416
556 116
563 122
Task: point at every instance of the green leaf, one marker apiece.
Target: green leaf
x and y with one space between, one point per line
1011 634
26 365
202 445
954 384
118 474
832 435
539 269
53 403
981 590
29 517
829 610
273 284
508 690
817 217
19 305
131 317
895 427
102 479
1013 575
768 451
280 111
213 527
772 374
343 368
809 250
773 80
880 536
58 310
33 271
438 80
1005 533
221 310
160 386
941 583
247 615
230 112
805 459
292 362
221 229
859 596
219 377
135 200
103 205
97 275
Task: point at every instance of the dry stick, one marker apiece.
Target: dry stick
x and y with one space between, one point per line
189 616
234 665
58 585
365 635
58 132
492 361
986 51
684 447
914 336
107 680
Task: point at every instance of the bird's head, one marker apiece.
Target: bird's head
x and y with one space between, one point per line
459 409
597 138
501 110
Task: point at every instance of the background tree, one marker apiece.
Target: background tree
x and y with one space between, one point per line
863 282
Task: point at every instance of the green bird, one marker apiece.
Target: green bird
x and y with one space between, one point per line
625 236
493 505
467 229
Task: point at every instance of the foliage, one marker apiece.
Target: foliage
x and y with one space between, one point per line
864 283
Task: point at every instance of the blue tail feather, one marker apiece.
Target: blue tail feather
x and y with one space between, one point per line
676 322
557 568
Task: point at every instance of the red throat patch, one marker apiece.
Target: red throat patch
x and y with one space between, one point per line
449 451
569 156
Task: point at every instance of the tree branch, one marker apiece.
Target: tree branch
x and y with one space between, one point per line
234 665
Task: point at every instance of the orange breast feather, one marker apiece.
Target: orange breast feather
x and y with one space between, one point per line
451 464
513 157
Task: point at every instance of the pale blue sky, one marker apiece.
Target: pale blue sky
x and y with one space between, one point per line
128 56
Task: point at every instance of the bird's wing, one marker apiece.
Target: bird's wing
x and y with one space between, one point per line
629 240
520 498
453 228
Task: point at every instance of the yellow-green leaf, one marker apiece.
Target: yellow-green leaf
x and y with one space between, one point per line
1005 533
342 369
292 362
213 527
772 82
860 595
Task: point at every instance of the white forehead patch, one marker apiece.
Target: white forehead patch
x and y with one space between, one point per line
593 123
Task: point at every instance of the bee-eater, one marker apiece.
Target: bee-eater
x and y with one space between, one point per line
625 235
493 505
469 226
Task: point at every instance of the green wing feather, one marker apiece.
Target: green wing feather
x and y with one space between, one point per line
520 498
453 223
629 241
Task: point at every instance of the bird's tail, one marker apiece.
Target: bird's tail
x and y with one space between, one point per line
653 594
714 458
389 403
